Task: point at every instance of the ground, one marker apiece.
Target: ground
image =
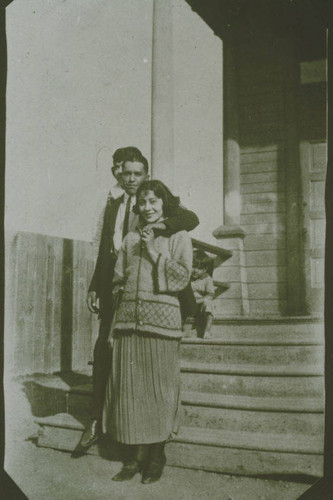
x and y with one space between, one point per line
44 473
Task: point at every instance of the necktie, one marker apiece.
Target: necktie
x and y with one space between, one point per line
126 219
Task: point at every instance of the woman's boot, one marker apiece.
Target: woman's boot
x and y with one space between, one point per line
142 455
156 463
131 465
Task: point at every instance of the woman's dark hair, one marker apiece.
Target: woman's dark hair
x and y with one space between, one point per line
170 202
201 260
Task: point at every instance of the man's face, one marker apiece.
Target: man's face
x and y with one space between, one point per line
117 171
133 176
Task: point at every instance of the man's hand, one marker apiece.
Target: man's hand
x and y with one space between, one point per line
156 225
92 302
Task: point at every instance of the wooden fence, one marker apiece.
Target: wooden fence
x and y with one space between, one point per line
48 327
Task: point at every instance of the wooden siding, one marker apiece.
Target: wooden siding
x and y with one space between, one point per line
281 135
263 214
48 325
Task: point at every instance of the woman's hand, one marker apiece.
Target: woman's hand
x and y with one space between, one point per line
148 239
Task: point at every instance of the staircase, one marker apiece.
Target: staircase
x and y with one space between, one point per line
252 400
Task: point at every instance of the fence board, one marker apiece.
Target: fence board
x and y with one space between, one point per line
49 310
84 322
39 304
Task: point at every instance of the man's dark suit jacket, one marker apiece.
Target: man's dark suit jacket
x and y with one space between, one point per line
101 282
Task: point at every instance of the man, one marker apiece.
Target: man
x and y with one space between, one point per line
116 169
116 190
118 220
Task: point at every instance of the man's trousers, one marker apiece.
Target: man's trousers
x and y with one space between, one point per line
102 365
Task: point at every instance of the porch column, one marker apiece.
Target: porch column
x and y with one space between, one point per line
235 300
162 148
231 152
296 238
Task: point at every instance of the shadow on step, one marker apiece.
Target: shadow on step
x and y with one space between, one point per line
47 394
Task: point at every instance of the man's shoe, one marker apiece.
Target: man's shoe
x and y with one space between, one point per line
88 438
154 471
90 435
127 472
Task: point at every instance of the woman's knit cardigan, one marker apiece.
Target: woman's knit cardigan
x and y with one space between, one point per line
149 301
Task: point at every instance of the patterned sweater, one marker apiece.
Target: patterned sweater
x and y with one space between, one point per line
149 302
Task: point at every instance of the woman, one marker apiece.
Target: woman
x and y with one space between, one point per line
142 396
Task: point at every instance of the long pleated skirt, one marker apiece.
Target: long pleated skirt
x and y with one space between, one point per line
142 402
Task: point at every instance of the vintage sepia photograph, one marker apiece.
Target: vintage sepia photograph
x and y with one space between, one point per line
165 226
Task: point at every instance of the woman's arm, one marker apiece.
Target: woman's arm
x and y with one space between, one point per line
173 273
181 220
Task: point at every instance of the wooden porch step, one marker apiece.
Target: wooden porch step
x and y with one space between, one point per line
270 404
257 369
304 444
211 449
265 339
283 443
244 354
232 413
241 381
268 329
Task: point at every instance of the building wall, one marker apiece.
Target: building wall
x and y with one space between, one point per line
198 118
271 136
79 86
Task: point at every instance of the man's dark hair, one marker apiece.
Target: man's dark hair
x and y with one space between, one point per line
118 155
170 202
133 154
201 260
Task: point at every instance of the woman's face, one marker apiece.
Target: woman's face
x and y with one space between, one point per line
150 206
